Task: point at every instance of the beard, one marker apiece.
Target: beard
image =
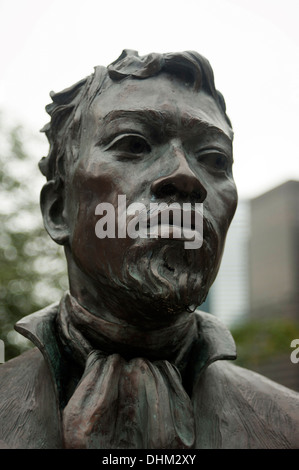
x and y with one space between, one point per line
161 279
167 277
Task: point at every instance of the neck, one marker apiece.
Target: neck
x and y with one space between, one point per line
172 343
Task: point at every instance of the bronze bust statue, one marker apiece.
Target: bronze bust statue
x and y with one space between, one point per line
126 360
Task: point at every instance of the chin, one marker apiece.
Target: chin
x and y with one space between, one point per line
167 279
160 279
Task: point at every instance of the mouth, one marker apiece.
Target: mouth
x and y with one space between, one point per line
174 223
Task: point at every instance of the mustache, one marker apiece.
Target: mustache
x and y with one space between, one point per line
158 213
178 218
169 221
174 215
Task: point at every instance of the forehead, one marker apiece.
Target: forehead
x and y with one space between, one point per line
161 94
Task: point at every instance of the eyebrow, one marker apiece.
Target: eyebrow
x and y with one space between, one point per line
162 120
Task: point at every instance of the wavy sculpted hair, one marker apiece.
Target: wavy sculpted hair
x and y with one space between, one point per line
68 106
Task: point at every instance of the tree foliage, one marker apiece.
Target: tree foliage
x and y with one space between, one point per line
32 266
260 340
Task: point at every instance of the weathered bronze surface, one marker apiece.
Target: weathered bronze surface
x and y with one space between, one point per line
126 360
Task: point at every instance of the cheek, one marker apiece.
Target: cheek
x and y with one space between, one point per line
94 255
220 206
84 243
229 198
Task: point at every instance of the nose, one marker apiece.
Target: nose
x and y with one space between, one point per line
182 181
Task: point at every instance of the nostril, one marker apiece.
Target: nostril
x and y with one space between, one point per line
198 195
181 183
167 190
170 189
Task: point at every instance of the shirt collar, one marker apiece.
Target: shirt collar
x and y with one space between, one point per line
214 343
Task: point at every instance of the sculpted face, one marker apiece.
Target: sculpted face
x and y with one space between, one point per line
153 140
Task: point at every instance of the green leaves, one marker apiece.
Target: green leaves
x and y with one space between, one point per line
32 267
260 340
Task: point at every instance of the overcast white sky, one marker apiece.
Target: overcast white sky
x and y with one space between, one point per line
253 46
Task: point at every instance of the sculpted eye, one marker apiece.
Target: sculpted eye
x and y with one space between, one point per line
131 144
214 159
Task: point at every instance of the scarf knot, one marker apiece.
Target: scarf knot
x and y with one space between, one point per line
123 403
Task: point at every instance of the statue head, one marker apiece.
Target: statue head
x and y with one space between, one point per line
154 130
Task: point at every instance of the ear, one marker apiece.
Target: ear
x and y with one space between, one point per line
52 206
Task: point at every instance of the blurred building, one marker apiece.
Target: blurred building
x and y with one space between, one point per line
259 275
274 253
229 295
274 270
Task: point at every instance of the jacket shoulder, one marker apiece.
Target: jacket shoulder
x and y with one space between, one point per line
28 408
243 409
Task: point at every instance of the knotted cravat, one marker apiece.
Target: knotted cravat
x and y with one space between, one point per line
124 403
